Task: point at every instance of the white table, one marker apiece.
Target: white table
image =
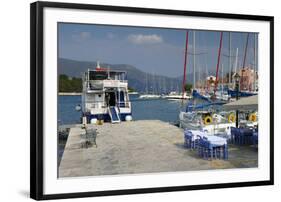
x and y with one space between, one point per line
212 138
215 140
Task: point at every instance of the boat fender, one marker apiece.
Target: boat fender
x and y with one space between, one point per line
94 121
128 118
253 117
208 120
231 118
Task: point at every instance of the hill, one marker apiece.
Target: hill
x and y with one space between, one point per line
137 79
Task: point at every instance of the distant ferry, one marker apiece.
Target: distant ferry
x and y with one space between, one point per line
105 96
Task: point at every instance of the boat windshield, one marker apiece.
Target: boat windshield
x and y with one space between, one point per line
103 75
99 75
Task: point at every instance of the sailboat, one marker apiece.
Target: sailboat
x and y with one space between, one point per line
246 93
222 93
177 96
201 113
147 95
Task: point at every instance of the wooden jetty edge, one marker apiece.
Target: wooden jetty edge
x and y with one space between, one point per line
144 146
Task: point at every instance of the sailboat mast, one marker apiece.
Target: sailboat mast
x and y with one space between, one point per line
230 60
222 77
236 60
255 60
199 74
245 53
194 62
206 75
218 63
244 60
146 82
185 62
235 64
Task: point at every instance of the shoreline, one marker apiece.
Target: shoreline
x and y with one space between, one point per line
76 93
68 93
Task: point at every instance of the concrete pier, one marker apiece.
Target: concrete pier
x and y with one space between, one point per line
141 147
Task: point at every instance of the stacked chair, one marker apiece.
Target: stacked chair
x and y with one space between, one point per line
210 151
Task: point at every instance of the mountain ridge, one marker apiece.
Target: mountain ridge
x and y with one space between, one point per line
137 79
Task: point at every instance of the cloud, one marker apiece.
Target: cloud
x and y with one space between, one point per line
79 36
145 39
85 35
110 35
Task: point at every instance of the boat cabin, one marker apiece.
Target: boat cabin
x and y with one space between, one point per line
105 95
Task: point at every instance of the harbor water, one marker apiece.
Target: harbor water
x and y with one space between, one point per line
142 109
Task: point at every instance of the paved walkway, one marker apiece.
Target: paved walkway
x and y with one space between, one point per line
141 147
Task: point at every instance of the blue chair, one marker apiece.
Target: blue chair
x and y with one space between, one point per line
207 150
187 139
234 135
199 145
255 139
204 148
246 136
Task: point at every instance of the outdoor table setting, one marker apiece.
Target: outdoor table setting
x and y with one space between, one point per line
191 137
255 138
208 146
244 136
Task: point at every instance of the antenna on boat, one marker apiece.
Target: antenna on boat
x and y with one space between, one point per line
108 72
98 65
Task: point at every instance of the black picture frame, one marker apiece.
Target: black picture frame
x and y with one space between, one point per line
36 99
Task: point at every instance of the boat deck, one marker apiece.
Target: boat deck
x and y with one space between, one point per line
141 147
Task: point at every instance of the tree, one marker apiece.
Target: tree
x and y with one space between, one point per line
69 85
188 87
130 89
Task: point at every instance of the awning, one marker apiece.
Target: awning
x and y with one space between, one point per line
247 103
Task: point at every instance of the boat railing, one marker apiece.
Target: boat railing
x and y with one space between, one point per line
96 104
97 85
102 104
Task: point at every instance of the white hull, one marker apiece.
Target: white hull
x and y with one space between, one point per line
186 122
149 96
176 96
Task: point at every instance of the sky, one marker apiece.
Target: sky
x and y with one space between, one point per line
154 50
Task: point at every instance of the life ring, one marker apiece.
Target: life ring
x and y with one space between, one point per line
208 120
231 118
253 117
